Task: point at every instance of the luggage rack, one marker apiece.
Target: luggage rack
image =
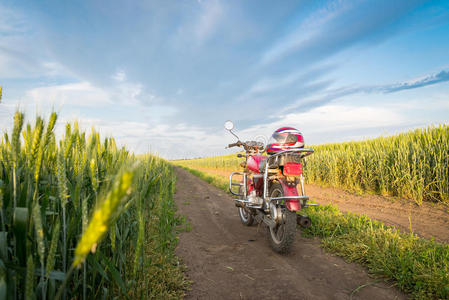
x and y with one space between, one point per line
302 198
303 152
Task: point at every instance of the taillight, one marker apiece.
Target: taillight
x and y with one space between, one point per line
292 169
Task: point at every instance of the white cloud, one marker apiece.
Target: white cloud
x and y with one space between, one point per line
84 94
128 93
81 94
119 76
6 117
169 140
334 118
105 109
353 119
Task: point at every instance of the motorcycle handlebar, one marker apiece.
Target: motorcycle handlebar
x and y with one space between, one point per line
249 145
234 144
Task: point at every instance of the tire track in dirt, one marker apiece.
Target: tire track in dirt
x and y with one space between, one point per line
227 260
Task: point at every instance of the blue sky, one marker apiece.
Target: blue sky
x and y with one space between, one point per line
163 76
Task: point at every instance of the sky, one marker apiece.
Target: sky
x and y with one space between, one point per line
164 76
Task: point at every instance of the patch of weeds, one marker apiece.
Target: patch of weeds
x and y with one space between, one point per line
419 266
183 225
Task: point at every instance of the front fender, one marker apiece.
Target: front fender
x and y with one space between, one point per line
289 190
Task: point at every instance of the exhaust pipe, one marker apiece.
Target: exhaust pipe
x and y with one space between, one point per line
239 204
303 221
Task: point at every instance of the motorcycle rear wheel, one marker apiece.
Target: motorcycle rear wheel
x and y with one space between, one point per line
281 237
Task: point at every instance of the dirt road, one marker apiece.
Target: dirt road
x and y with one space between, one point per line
227 260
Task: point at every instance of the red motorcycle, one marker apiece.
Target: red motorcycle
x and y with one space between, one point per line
269 184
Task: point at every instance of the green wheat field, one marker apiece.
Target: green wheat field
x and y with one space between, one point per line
63 199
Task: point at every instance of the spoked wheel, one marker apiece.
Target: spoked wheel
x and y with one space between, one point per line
246 216
281 236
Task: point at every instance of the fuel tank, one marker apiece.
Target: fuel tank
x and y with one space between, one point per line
254 162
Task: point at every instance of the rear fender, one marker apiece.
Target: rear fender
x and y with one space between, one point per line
290 190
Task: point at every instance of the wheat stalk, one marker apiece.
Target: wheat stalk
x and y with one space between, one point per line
101 218
29 281
39 229
15 145
51 258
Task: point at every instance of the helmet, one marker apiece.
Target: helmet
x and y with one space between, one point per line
285 138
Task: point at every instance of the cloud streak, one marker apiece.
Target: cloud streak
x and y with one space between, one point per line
333 94
80 94
439 77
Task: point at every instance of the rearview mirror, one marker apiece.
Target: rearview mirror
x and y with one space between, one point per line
229 125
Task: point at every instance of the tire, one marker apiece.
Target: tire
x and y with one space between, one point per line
283 235
246 215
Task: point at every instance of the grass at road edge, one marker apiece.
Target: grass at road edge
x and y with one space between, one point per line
418 266
215 180
163 276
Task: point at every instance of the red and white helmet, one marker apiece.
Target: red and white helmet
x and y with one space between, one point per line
285 138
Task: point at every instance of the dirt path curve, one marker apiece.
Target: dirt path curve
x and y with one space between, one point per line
227 260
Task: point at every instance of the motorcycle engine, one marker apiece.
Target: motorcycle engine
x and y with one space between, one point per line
253 199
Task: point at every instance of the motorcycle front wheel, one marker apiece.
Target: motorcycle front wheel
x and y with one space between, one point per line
246 216
281 236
